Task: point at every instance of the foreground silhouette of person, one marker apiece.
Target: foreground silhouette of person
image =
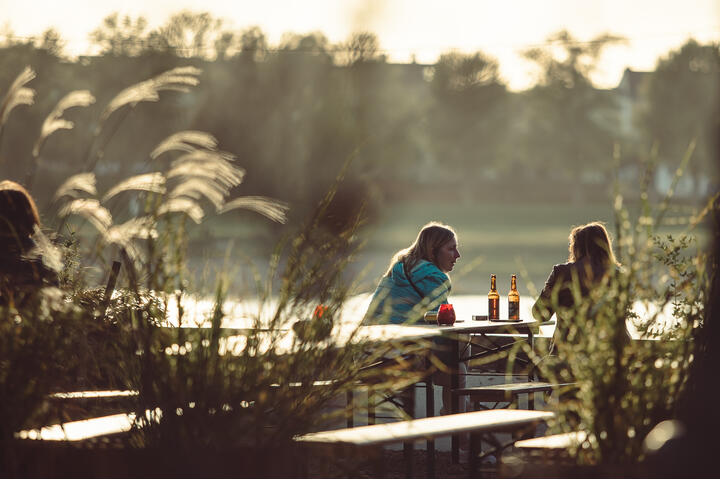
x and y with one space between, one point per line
23 265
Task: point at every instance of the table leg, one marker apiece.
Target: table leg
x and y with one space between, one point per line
371 406
454 399
408 447
474 451
378 463
351 410
430 412
408 452
531 342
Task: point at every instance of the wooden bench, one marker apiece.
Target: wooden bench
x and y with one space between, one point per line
551 452
561 441
373 437
509 392
81 429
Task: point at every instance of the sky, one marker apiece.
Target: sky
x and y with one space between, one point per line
420 29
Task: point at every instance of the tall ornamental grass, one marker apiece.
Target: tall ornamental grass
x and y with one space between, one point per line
200 387
624 387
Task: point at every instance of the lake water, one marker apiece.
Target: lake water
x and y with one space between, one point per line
241 314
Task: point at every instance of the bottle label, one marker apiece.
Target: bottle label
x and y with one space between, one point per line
514 310
493 308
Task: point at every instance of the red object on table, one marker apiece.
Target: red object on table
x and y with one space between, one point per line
446 314
319 311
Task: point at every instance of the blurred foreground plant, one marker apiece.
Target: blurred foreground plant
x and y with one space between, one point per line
258 387
198 387
625 386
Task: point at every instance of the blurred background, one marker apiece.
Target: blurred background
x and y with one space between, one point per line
511 122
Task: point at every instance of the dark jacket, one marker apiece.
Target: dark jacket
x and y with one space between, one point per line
561 279
582 274
23 271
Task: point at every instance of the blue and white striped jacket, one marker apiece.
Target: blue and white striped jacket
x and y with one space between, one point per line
396 301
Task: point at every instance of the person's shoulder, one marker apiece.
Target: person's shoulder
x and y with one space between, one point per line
564 267
562 270
397 270
425 268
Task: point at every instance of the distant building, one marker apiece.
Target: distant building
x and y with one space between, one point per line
631 99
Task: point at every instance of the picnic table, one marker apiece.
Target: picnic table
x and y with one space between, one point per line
391 336
479 328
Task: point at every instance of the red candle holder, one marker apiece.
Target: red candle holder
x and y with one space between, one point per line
446 314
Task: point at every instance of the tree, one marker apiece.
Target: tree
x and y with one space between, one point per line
250 44
460 73
120 37
311 44
188 35
684 105
253 44
570 129
360 47
52 43
466 119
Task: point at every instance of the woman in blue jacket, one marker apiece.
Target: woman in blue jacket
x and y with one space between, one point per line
417 281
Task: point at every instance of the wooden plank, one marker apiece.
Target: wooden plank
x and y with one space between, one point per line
558 441
82 429
511 388
501 420
487 326
94 394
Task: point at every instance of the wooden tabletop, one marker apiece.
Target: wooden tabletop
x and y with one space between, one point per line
500 420
487 326
235 340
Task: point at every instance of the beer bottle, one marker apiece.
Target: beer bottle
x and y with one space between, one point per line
493 301
513 300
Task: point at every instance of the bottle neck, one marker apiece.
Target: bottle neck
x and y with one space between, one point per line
513 283
492 282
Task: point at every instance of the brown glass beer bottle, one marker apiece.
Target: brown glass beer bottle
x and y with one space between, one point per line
513 300
493 301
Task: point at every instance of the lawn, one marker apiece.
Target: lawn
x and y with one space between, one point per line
526 239
502 238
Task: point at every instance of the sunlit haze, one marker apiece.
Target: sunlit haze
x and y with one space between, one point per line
419 29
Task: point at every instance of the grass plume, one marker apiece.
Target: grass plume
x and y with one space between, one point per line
17 94
77 185
54 121
275 210
185 141
178 79
148 182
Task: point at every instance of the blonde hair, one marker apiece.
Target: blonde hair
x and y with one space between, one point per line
432 236
591 241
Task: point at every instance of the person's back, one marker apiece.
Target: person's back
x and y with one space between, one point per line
569 285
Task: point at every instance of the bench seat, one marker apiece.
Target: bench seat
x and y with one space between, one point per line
475 423
507 392
552 442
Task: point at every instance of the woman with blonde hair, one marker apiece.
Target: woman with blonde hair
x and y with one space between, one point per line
417 278
590 261
416 281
